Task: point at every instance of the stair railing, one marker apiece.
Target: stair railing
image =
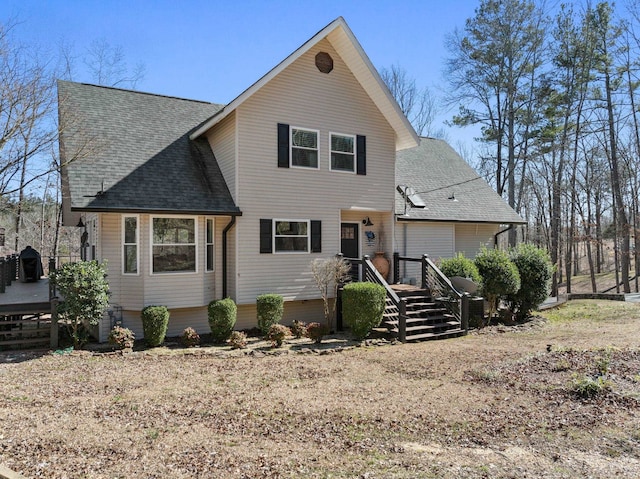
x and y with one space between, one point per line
399 305
443 291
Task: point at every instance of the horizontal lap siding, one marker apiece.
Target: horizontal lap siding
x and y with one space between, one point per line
470 238
302 96
306 311
222 139
434 239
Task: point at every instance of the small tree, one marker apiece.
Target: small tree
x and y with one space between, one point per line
328 274
85 292
500 276
535 269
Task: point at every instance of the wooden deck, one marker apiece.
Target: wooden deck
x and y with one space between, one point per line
25 298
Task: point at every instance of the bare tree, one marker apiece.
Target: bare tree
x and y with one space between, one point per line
418 105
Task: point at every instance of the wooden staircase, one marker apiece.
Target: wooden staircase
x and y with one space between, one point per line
426 318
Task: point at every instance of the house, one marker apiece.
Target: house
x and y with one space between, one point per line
191 201
443 206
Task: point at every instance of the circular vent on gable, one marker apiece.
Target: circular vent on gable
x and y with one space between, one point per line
324 62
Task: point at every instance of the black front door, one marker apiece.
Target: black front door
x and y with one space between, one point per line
350 246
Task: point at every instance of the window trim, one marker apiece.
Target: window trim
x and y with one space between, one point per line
137 244
274 235
354 154
291 147
206 245
151 245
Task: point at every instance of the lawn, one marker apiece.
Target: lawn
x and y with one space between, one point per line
499 403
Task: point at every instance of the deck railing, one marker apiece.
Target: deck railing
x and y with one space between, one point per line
440 287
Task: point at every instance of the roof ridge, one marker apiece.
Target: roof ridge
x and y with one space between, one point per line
139 92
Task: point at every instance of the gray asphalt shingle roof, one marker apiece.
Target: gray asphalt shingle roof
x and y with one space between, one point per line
436 172
135 148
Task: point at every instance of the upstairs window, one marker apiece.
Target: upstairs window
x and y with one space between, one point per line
343 154
304 148
173 245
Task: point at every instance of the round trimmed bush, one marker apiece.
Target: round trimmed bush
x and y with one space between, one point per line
222 318
362 307
535 269
155 320
500 276
460 266
270 308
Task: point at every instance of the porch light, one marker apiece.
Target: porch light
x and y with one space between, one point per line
367 221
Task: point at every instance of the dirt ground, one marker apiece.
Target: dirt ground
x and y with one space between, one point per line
498 403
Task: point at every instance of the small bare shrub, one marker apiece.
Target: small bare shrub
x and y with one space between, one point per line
237 340
317 331
189 338
277 333
299 329
121 337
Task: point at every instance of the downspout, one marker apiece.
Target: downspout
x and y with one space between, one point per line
495 236
224 255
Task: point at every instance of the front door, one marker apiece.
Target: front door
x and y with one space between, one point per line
350 246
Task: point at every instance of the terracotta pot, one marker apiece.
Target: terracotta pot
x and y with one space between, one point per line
381 263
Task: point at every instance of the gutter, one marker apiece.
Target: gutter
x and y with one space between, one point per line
230 225
495 236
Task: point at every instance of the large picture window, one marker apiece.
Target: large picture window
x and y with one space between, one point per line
291 236
343 153
130 244
173 245
304 148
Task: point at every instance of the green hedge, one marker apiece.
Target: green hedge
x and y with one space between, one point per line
362 307
222 318
155 320
270 308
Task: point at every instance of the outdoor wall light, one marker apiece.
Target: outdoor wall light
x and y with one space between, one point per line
367 221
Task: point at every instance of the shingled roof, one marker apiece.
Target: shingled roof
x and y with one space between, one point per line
451 189
129 151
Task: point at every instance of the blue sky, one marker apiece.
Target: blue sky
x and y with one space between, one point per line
213 50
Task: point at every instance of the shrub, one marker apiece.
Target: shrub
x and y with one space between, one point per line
123 338
317 331
362 307
460 266
238 340
222 318
270 308
155 320
587 387
535 269
299 328
85 290
500 276
276 334
189 338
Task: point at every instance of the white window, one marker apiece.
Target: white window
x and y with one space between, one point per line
173 245
343 152
209 243
130 245
304 148
291 236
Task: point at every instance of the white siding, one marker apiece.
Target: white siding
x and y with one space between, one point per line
223 143
302 96
470 238
413 239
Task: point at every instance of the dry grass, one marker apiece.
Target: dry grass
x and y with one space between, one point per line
493 404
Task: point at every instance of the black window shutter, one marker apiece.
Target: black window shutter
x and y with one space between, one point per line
361 150
283 145
265 236
316 236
